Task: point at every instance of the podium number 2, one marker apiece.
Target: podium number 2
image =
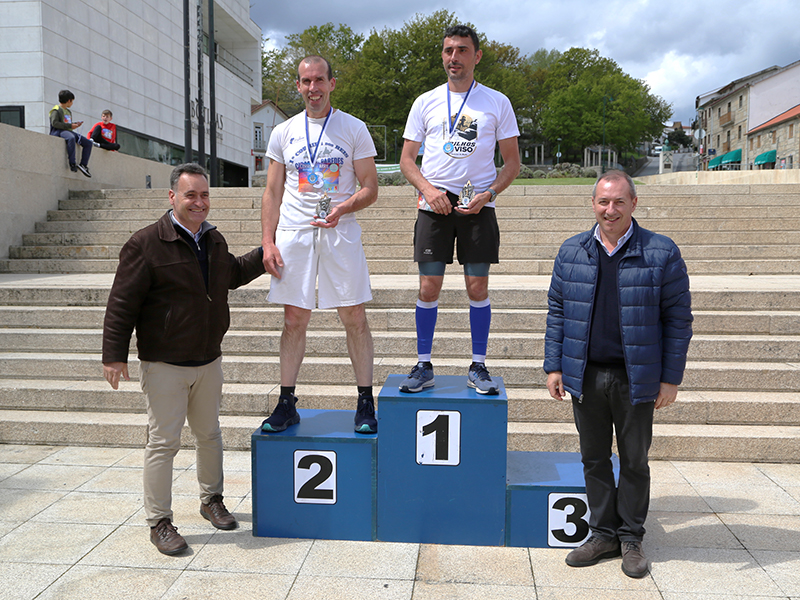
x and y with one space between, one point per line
314 477
567 520
438 437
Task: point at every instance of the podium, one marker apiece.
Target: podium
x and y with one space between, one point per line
546 504
438 471
316 479
442 464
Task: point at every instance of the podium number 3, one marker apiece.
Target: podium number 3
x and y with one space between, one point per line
438 437
314 477
567 520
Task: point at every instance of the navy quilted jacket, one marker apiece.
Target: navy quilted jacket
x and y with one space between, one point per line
655 312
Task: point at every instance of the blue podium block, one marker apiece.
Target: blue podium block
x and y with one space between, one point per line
442 464
315 480
546 503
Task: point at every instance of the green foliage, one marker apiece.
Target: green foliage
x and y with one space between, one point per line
525 172
679 138
340 45
590 98
576 95
539 174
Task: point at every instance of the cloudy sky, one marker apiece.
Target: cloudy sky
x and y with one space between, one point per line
681 48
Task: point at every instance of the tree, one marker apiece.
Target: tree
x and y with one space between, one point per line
340 45
679 138
588 98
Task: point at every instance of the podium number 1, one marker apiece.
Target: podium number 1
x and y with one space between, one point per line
314 477
438 437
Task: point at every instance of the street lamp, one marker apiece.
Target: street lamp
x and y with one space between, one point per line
558 154
395 145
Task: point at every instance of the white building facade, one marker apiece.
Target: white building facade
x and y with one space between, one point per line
128 56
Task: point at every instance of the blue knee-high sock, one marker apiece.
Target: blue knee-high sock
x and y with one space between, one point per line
426 325
480 318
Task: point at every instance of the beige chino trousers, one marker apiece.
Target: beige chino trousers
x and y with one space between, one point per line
175 395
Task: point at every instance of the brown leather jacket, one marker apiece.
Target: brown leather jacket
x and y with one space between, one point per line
159 289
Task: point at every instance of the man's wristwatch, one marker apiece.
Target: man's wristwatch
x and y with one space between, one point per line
493 193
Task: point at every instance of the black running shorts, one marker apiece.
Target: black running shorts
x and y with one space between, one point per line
477 237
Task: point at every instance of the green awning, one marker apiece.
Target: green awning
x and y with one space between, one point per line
732 157
767 157
714 162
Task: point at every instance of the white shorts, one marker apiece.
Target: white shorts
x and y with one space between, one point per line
335 255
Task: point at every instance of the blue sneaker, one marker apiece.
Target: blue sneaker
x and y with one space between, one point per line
480 379
421 377
365 415
285 414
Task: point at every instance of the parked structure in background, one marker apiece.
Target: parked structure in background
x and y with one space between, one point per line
751 122
265 117
127 55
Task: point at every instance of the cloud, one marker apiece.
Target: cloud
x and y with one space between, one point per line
681 48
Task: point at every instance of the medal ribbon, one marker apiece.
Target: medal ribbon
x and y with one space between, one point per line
313 157
452 125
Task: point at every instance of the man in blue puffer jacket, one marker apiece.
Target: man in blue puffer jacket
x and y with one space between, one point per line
618 329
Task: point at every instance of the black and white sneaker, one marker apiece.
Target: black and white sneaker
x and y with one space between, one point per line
365 415
85 170
285 414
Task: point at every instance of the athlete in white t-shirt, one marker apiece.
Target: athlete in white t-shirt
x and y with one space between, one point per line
309 232
460 123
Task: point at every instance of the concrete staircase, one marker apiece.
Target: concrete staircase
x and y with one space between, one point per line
740 399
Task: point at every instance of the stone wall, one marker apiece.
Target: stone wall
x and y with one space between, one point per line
35 175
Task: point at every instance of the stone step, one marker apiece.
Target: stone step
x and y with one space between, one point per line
738 443
690 242
270 317
407 267
664 221
755 294
524 404
745 443
508 251
699 375
503 345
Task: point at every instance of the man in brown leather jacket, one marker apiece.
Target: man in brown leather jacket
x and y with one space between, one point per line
172 286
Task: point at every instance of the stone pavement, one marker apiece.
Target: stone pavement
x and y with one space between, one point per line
72 527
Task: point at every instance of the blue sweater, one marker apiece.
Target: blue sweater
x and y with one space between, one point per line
655 312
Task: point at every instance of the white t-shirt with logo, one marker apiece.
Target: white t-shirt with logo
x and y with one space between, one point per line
450 161
344 140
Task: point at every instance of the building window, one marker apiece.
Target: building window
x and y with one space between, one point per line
773 137
740 133
789 161
729 107
791 131
719 112
259 163
13 115
740 102
751 144
717 141
758 142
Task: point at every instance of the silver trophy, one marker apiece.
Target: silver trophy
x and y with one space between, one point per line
323 206
467 194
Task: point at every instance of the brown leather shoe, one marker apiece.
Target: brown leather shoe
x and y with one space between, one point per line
167 539
634 563
592 551
216 512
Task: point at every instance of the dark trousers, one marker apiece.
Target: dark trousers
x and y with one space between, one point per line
72 138
616 511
